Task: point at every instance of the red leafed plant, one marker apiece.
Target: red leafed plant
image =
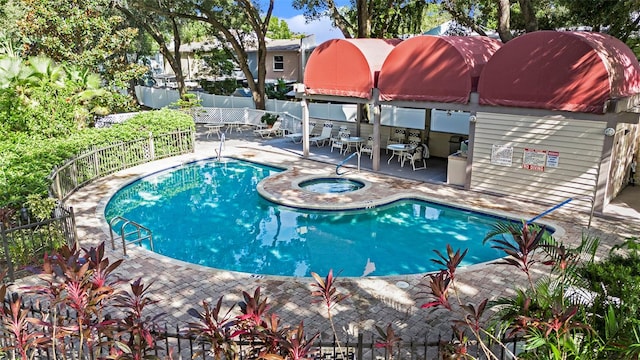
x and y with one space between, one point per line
295 345
439 286
82 284
526 239
138 328
387 339
452 261
328 294
215 328
253 309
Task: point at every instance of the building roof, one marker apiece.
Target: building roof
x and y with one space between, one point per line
346 67
570 71
435 68
272 45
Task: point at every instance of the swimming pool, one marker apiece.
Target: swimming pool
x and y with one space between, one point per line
209 213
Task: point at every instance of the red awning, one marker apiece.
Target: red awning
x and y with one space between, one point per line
571 71
435 68
346 67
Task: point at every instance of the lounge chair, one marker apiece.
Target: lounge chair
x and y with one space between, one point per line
296 138
275 130
324 135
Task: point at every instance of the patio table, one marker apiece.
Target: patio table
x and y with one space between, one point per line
213 129
356 141
399 150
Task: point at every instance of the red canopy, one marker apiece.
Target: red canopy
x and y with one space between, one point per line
435 68
571 71
346 67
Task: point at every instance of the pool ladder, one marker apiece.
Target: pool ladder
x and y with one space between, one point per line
139 233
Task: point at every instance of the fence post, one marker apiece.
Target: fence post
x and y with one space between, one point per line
73 228
152 150
96 163
360 345
7 254
56 183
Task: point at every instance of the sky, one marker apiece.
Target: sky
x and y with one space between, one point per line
322 28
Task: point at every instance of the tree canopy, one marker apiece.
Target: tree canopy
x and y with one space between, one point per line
85 33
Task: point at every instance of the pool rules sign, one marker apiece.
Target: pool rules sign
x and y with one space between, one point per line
536 160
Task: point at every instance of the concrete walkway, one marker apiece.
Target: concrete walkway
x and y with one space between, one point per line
180 286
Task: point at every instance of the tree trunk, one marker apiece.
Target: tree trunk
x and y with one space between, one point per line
152 29
364 24
504 20
529 15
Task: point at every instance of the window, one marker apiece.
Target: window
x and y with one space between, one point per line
278 63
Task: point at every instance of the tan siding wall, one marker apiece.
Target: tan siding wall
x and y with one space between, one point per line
579 143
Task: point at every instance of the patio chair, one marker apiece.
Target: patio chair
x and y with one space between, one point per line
397 136
341 129
324 136
419 154
275 130
414 133
341 143
367 147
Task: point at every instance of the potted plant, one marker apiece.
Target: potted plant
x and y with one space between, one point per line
269 119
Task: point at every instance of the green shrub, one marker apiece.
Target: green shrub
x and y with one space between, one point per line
27 160
617 277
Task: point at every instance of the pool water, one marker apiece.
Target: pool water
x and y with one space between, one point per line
209 213
331 185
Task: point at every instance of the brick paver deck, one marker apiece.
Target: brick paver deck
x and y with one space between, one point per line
180 286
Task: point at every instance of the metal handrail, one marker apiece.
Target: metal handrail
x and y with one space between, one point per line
219 151
563 203
341 163
123 235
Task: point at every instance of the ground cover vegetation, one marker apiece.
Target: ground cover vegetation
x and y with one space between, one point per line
47 115
582 309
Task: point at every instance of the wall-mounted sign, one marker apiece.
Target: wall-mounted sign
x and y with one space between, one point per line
553 158
533 159
501 155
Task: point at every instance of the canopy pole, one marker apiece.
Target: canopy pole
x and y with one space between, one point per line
376 130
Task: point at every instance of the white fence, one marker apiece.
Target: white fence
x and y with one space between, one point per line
157 98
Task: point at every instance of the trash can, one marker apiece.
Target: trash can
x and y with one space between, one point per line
454 143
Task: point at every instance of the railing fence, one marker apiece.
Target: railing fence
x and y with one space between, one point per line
25 244
96 163
176 343
243 116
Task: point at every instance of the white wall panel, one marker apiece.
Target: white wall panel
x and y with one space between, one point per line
578 142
